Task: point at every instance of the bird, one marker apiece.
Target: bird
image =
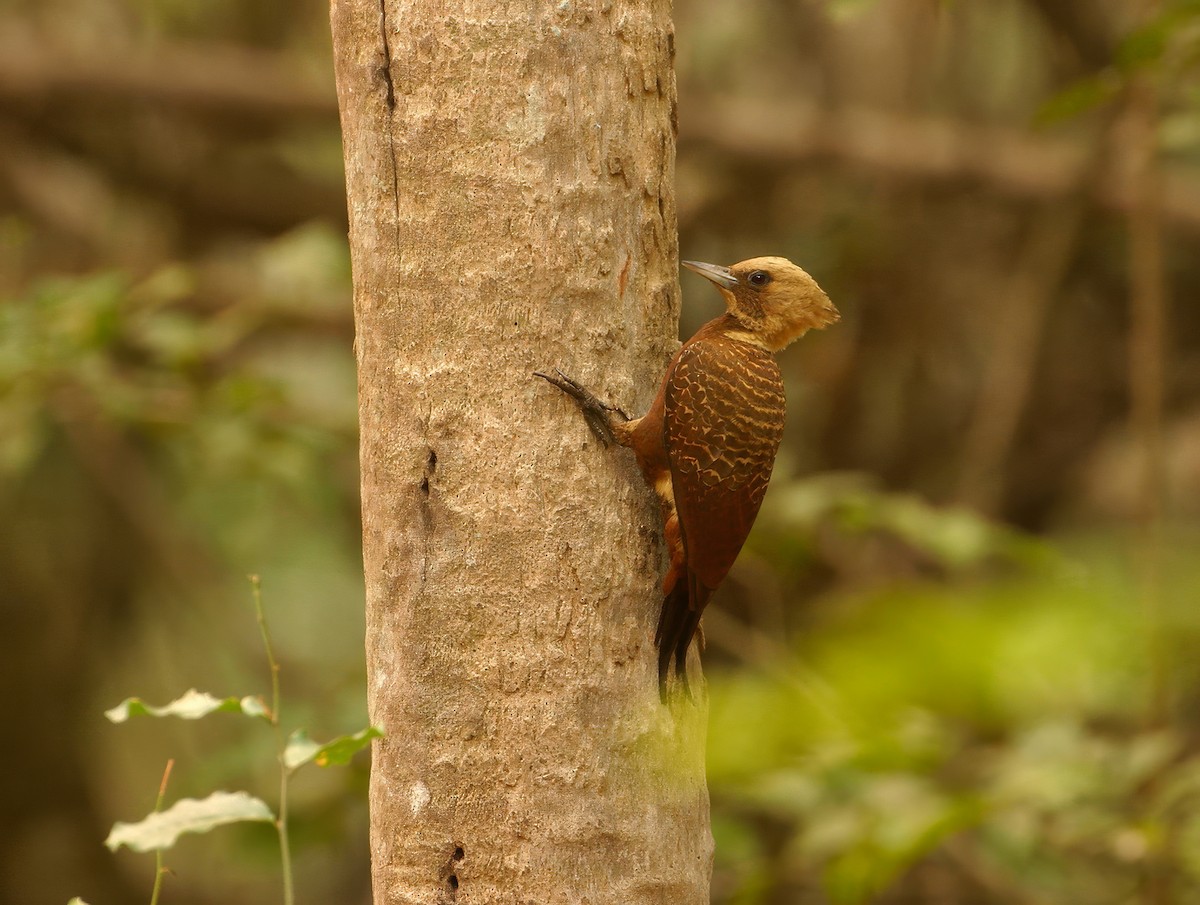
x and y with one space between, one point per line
707 444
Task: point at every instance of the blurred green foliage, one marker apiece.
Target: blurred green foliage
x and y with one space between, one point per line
216 435
147 356
991 727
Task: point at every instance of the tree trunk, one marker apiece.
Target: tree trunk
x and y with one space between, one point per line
510 172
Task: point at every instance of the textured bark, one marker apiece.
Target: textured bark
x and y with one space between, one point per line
510 170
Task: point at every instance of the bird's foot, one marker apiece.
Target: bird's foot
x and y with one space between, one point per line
599 415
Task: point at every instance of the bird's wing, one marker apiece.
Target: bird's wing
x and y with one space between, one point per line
723 423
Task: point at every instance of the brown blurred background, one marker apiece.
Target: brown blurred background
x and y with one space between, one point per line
956 663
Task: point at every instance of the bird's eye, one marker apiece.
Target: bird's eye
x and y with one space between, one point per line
758 278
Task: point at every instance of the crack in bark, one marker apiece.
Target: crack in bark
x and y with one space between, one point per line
386 70
390 100
450 875
431 461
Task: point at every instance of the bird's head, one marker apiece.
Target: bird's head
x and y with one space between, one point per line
773 300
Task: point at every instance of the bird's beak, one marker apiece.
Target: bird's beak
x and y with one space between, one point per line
722 276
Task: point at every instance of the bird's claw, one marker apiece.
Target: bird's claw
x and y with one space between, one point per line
595 412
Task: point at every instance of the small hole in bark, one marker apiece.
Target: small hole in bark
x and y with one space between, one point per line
458 853
453 882
432 460
425 486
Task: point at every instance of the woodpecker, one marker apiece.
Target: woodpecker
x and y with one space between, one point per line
707 445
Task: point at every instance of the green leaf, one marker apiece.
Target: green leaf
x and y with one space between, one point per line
1160 39
160 829
193 705
1145 45
1078 98
301 749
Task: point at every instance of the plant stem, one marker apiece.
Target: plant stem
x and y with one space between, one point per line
159 870
285 849
256 586
281 822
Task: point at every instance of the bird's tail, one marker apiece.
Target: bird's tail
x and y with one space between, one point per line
677 625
